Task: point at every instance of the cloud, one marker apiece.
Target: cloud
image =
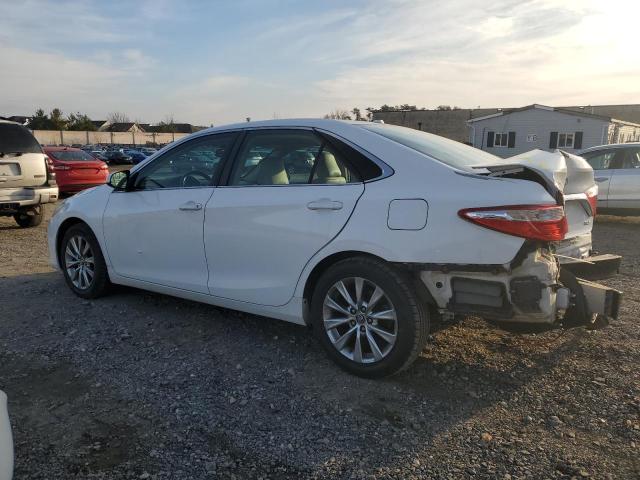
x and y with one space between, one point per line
221 62
31 80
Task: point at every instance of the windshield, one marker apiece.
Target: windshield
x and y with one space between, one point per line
72 156
17 139
450 152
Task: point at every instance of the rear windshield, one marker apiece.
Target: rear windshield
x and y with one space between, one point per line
17 139
71 155
450 152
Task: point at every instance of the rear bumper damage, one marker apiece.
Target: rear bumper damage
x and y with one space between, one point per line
535 288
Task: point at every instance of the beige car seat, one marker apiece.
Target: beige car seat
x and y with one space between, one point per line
328 170
271 171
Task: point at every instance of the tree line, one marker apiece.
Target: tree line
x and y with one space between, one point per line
56 120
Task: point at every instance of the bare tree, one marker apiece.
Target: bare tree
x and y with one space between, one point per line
117 117
338 114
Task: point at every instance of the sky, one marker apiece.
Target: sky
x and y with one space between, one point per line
215 62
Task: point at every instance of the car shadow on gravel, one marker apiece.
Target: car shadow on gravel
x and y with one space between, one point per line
137 382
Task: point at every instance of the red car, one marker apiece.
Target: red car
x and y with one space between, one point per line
76 169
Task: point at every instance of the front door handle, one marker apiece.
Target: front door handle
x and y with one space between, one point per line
190 206
324 204
602 179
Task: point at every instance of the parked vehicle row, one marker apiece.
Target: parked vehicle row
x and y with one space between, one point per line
366 232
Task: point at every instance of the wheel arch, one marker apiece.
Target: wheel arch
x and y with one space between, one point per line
324 264
62 229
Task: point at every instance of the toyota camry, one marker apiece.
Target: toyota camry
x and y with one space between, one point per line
367 233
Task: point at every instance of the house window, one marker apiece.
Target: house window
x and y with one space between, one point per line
565 140
501 140
506 139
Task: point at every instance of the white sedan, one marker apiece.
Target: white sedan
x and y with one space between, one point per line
366 232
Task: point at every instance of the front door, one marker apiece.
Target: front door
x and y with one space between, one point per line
154 231
624 191
288 195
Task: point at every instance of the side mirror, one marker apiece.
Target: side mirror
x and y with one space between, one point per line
119 180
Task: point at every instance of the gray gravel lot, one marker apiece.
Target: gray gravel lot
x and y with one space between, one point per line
143 386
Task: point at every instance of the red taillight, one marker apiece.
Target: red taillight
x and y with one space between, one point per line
51 174
536 222
592 197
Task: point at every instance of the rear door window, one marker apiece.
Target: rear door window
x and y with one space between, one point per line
289 157
17 139
631 159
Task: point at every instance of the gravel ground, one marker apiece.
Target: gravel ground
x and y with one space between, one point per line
143 386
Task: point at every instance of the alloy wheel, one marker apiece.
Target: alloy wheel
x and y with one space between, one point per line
79 262
360 320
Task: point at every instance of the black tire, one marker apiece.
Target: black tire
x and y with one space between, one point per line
412 315
100 283
29 217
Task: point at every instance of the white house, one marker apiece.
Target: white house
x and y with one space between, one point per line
519 130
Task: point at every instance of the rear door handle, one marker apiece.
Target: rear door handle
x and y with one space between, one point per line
324 204
602 179
190 206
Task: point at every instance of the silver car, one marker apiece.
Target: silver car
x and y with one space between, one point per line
617 172
6 442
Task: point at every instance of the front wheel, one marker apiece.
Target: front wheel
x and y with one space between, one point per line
85 270
368 317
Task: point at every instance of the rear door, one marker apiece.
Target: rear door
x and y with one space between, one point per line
22 163
624 191
602 162
288 194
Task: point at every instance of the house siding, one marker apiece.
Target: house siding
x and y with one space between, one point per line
538 122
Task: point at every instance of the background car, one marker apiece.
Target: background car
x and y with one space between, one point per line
136 155
6 441
76 169
148 150
117 157
617 168
99 154
27 178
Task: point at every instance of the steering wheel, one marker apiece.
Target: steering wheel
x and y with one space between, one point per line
191 179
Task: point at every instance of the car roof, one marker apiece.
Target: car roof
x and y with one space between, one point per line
284 122
610 146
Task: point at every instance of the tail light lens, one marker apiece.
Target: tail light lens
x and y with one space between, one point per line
592 197
535 222
51 173
104 167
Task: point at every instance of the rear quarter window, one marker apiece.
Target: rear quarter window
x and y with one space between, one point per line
452 153
17 139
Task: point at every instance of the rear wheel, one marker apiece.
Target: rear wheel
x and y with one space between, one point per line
29 217
82 262
368 317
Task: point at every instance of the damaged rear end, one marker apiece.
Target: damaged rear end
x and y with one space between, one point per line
549 282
